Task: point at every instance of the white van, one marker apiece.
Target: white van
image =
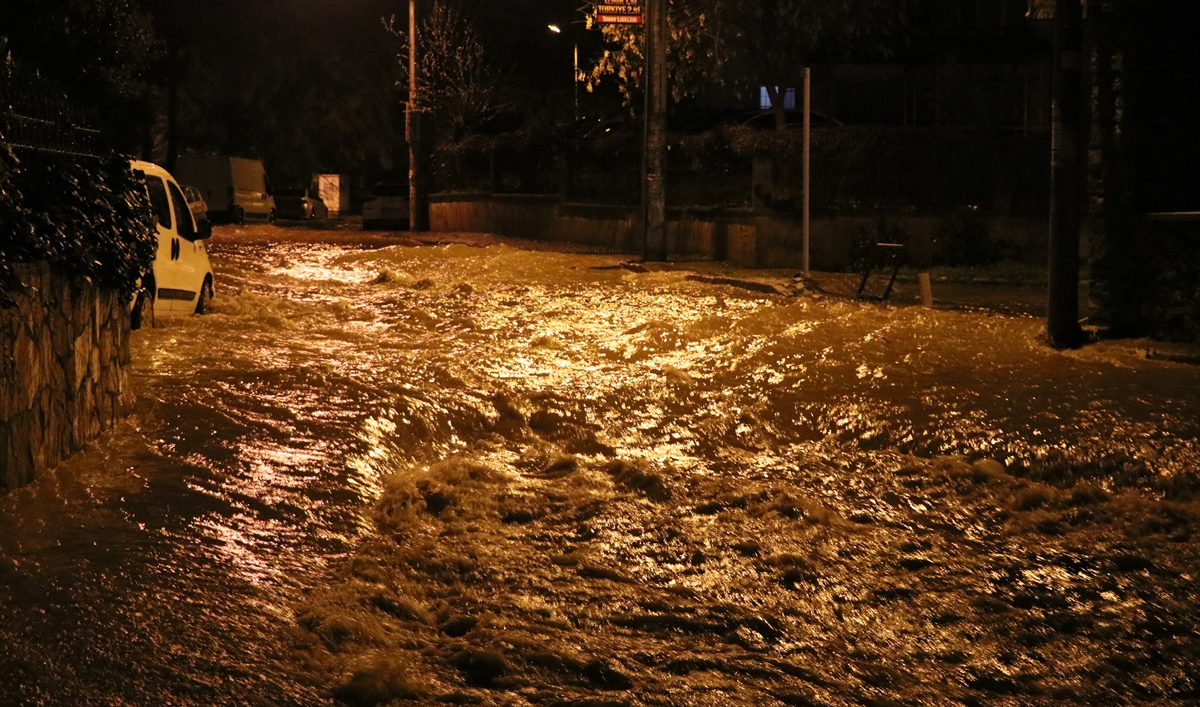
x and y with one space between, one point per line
182 279
234 188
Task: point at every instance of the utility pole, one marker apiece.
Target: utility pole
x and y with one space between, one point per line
1067 160
418 165
175 68
655 211
807 173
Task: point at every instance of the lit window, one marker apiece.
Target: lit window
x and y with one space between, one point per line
764 98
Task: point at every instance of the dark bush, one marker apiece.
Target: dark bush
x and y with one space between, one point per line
966 239
85 216
865 255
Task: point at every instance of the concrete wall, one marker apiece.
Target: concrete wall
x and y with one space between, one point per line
741 236
700 234
64 357
538 217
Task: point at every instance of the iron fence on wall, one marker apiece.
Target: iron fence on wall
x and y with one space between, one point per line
854 170
33 117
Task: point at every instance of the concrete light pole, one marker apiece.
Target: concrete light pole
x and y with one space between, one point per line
656 119
1068 154
575 76
807 172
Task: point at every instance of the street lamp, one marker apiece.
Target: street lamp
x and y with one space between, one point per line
575 77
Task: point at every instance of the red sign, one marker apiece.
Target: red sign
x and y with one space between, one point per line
619 12
619 19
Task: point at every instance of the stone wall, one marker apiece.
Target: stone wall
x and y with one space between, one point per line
64 357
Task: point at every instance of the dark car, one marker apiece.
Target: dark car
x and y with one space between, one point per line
765 120
386 207
196 203
299 204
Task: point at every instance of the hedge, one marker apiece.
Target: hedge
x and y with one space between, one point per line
86 216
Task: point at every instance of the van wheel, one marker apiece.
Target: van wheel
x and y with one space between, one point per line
204 303
271 216
237 215
143 310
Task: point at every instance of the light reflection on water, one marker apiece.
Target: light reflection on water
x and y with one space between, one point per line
265 431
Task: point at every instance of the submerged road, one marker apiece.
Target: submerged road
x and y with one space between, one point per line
494 476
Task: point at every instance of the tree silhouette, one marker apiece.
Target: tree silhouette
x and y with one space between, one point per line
455 81
740 45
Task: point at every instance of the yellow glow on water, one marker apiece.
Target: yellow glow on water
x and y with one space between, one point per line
617 464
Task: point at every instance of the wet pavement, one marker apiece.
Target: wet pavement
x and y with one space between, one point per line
486 475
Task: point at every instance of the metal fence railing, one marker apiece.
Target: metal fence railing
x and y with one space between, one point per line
34 117
855 170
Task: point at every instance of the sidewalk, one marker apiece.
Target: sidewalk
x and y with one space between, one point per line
997 296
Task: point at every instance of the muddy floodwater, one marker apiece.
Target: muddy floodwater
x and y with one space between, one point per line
458 475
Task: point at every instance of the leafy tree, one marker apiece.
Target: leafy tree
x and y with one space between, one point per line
455 81
306 90
101 52
739 45
300 108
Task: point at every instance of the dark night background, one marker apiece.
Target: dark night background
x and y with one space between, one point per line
310 85
304 84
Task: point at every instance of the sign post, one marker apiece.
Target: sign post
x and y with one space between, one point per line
418 166
653 15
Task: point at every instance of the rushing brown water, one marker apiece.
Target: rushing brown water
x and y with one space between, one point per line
506 477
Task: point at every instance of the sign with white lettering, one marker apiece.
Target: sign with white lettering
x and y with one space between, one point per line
618 12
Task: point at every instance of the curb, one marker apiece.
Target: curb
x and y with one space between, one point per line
1175 353
751 285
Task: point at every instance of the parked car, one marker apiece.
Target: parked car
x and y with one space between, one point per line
793 118
234 188
386 206
181 280
196 203
299 204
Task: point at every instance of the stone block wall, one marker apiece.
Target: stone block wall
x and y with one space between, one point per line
64 360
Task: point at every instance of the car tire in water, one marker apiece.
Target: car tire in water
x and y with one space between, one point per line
204 302
271 216
237 215
143 310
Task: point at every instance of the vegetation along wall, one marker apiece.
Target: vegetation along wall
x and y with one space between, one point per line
76 234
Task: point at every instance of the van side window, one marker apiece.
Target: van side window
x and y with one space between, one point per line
183 214
158 198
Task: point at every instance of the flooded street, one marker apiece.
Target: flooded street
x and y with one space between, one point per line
456 475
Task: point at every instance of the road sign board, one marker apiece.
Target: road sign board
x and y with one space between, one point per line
619 12
619 19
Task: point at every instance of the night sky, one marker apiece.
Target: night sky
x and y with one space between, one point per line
312 84
514 31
